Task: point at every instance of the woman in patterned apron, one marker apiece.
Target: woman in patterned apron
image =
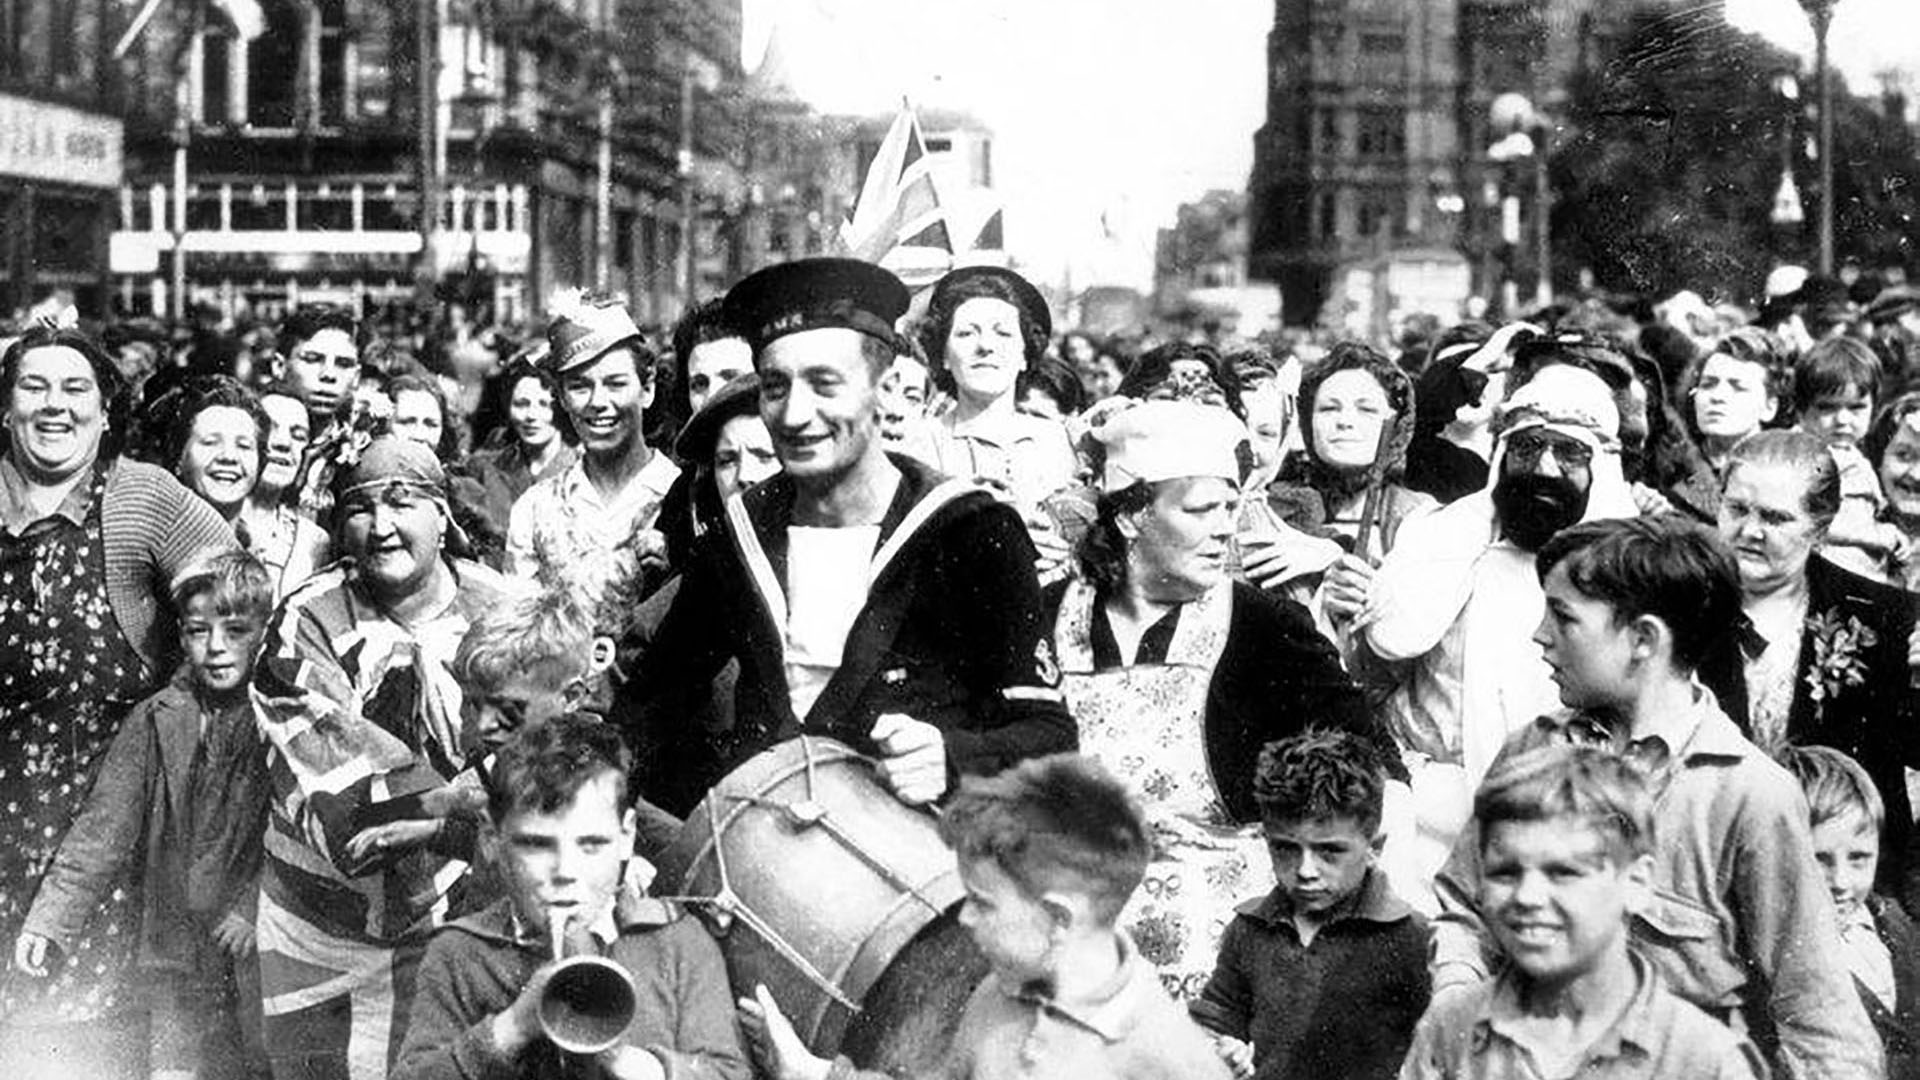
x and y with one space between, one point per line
1177 675
84 539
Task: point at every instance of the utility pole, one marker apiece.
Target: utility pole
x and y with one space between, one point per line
429 16
1820 12
689 271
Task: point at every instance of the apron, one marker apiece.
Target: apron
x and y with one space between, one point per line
1146 724
67 678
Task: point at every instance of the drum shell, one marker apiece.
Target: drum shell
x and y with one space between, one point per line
847 918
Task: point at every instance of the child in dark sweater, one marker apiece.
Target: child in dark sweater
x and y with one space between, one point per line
1326 975
561 833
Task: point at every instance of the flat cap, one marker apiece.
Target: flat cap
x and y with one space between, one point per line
816 294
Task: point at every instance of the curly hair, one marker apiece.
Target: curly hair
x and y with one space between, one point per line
1318 775
938 324
1154 367
543 767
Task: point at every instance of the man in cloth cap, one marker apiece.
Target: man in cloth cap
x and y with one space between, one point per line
592 526
865 597
1449 616
355 695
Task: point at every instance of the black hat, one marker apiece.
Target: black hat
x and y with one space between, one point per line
815 294
1032 305
739 397
1893 302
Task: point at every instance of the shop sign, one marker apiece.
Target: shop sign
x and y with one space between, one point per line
58 144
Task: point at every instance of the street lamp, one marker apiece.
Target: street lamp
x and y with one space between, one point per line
1820 12
1525 136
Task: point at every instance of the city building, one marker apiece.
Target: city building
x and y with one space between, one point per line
1380 184
552 144
60 150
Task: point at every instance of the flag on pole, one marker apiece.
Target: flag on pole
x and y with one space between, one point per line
899 218
992 234
246 17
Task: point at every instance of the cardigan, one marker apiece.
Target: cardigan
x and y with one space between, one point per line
1871 720
151 528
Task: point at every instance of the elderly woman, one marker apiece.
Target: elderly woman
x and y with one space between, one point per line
1178 675
88 545
1827 662
362 714
985 327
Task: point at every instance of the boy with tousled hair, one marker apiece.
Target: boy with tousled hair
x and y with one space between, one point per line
1877 938
533 656
560 832
1565 836
1736 917
1049 852
183 786
1327 974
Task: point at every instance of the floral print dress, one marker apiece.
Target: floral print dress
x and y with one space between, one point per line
1146 723
67 677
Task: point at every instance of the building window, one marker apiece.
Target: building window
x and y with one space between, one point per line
1383 44
1330 142
1378 216
333 62
1326 223
1382 133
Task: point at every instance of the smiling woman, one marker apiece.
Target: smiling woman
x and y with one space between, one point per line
84 633
362 713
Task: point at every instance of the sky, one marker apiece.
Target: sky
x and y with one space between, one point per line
1108 114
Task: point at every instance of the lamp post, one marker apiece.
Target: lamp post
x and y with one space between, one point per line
1820 13
1526 137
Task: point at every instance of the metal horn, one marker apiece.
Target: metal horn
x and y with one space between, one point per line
588 1003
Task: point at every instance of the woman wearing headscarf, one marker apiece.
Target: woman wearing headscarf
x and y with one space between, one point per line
1178 675
88 545
356 696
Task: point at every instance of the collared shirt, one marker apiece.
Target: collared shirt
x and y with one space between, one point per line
563 529
1866 955
1128 1028
1739 918
1480 1034
1343 1005
1027 457
16 508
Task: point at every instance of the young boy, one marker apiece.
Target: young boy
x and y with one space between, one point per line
528 659
1835 386
1739 922
183 783
1565 838
1327 974
1877 938
561 832
1049 852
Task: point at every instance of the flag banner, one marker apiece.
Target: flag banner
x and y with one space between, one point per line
900 221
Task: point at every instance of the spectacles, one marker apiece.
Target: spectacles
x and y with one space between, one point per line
1528 447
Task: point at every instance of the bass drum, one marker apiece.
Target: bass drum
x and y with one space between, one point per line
842 900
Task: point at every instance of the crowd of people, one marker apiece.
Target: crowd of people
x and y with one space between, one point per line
1516 700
